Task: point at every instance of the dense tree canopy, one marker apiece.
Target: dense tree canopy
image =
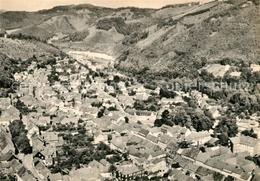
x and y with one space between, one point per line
255 159
185 118
250 133
19 136
227 126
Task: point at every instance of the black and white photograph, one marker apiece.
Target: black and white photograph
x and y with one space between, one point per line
137 90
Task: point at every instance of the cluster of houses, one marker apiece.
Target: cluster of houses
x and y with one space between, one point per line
9 163
156 151
151 151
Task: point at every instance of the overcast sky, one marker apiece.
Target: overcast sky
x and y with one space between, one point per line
33 5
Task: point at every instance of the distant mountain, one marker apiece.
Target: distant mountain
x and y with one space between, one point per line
176 40
64 23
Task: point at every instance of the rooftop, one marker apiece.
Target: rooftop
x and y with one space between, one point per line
128 169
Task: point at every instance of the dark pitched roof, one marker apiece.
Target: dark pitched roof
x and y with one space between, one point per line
191 152
144 132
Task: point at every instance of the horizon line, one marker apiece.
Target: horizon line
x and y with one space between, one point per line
104 6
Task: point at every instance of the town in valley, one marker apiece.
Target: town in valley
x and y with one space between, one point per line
75 114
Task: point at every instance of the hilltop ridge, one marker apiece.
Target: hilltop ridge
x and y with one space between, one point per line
206 34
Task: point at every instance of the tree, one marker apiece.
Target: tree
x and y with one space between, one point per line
202 123
7 177
115 158
112 168
229 127
255 159
22 107
126 120
116 79
158 122
109 137
82 130
97 104
166 119
250 133
139 122
223 139
191 102
19 136
217 176
184 144
229 178
165 114
182 119
139 105
125 156
167 94
101 112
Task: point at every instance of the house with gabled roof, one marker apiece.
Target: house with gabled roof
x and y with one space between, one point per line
9 114
7 148
198 138
128 171
42 169
191 153
245 143
152 138
119 143
56 177
165 128
163 140
157 167
143 132
50 137
29 101
180 175
50 153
